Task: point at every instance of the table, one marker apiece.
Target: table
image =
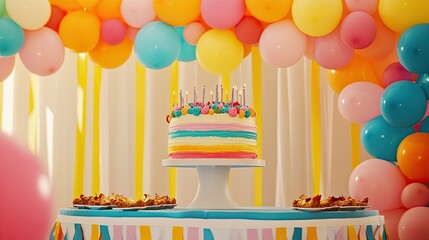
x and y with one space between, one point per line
264 223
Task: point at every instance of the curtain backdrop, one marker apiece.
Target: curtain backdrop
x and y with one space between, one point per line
43 113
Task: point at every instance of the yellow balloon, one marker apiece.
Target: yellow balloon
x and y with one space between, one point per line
111 56
316 17
177 12
106 9
87 3
399 15
219 51
269 10
80 31
66 4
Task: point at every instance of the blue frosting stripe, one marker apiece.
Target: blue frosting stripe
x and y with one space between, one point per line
208 235
369 233
52 234
104 232
78 235
297 233
213 133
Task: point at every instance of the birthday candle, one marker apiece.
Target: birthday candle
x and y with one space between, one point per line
244 94
217 93
195 95
181 98
204 94
232 95
174 98
240 97
211 93
221 93
186 94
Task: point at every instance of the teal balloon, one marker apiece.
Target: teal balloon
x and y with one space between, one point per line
424 125
413 48
11 37
403 104
157 45
381 140
423 82
187 51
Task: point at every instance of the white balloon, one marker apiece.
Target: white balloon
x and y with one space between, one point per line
29 14
137 12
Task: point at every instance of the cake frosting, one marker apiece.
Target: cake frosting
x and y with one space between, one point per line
222 130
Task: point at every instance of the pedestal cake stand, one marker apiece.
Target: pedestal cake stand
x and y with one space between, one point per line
213 189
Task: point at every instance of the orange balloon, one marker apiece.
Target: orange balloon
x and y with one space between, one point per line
66 4
177 12
106 9
80 31
413 157
379 65
111 56
358 69
87 3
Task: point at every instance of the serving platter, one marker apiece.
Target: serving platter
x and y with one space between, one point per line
333 208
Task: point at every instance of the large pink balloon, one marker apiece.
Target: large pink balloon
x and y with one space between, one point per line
415 195
6 67
282 44
358 30
391 218
222 14
396 72
137 12
359 102
26 198
331 52
414 224
43 51
379 180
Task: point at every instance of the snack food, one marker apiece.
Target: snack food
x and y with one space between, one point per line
317 202
121 201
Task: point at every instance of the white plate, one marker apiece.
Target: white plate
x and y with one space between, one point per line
353 208
317 209
94 207
154 207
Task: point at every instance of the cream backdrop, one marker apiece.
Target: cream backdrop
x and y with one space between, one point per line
285 115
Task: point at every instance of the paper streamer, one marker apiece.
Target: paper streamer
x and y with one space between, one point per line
316 134
257 106
140 123
33 113
82 71
355 142
96 132
226 85
174 91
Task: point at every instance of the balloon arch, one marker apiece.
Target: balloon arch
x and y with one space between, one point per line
376 53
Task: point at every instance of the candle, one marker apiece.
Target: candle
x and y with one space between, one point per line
186 99
204 94
211 94
181 99
217 93
221 93
195 95
240 97
244 94
232 95
174 98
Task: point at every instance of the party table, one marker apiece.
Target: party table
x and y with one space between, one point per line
265 223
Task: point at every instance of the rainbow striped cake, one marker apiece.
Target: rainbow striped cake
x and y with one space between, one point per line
222 130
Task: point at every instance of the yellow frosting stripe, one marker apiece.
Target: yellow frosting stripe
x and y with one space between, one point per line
95 232
351 233
145 233
316 152
257 105
214 148
355 142
174 90
177 233
82 70
312 233
281 234
96 132
140 123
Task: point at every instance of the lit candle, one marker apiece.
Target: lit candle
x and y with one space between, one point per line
181 99
240 99
244 94
211 93
195 95
221 93
174 98
186 99
217 93
232 95
204 94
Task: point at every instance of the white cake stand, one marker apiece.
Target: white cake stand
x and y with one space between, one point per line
213 189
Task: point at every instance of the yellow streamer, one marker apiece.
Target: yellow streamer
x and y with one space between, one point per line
355 140
226 84
140 122
95 232
96 132
32 113
312 233
257 106
174 90
316 135
82 70
145 233
281 234
177 233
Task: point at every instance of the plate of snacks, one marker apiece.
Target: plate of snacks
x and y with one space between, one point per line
331 203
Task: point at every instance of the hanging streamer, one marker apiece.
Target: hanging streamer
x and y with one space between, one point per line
226 85
257 106
96 132
174 89
140 123
355 142
316 143
82 71
33 113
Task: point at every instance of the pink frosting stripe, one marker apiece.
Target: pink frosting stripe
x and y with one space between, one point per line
202 127
213 155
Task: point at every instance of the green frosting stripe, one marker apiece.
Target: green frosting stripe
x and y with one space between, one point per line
213 133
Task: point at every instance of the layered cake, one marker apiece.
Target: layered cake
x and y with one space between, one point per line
212 130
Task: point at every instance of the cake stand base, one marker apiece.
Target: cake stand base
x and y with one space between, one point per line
213 189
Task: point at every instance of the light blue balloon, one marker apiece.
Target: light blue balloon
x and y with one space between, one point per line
11 37
424 125
423 82
413 48
381 140
187 51
157 45
403 104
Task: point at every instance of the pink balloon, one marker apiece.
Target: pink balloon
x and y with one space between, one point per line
359 102
137 13
113 31
43 51
132 32
414 224
249 30
379 180
358 30
282 44
192 32
6 67
415 195
222 14
331 52
369 6
391 218
26 204
396 72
